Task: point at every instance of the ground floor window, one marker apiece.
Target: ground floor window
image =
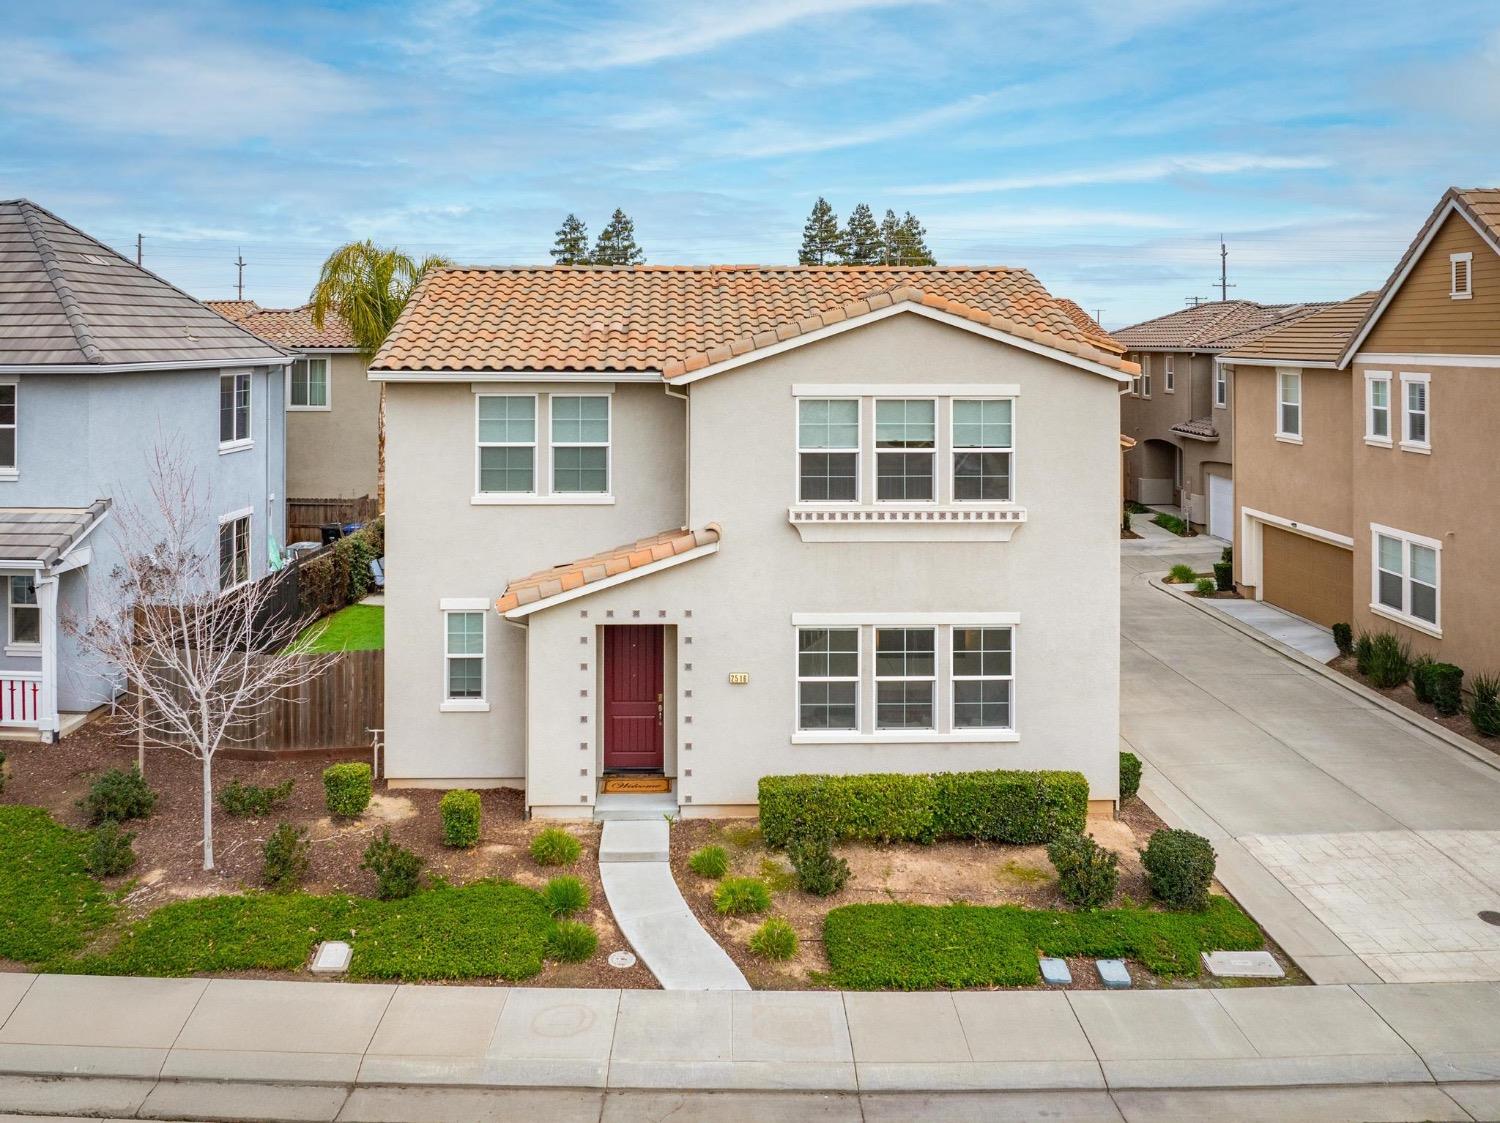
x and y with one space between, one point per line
905 677
234 550
25 613
981 678
1405 577
464 655
827 678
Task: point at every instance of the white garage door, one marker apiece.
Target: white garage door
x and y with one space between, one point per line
1221 507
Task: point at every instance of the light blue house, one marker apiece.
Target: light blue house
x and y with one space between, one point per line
101 362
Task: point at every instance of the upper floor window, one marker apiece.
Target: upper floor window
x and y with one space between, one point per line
507 443
1378 407
234 409
580 443
1289 404
982 446
1405 581
508 432
828 450
25 613
1169 373
234 550
8 403
308 386
1461 275
1221 387
905 449
1416 428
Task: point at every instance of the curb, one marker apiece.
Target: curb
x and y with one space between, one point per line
1411 717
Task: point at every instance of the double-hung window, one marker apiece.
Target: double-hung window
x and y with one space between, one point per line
982 676
827 678
1221 387
1416 429
463 653
982 447
507 444
234 410
1406 576
1378 407
308 385
828 450
25 613
580 444
905 678
234 551
905 450
8 404
1289 404
1169 373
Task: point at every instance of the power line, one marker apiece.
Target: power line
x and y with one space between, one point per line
239 285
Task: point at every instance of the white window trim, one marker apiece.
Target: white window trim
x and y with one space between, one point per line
463 607
248 514
954 678
608 446
937 442
535 494
1145 384
858 680
859 458
1169 374
936 678
1402 615
1467 260
1371 437
1407 444
1221 382
10 472
541 493
327 362
239 444
1285 434
953 450
12 647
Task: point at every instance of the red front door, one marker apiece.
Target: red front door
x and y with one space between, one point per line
632 696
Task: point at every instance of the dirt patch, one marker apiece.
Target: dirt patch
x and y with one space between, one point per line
1404 695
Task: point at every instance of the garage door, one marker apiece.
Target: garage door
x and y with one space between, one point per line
1221 507
1313 579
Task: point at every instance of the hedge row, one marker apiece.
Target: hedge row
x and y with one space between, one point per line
1002 806
342 575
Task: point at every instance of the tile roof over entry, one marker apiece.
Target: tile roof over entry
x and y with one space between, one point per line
69 300
289 327
666 319
597 567
44 534
1319 338
1212 326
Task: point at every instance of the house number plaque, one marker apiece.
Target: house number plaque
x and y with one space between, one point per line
739 678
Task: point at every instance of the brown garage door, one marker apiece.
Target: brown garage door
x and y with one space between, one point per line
1311 578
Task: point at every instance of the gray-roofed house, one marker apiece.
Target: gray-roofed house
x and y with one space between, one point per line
101 361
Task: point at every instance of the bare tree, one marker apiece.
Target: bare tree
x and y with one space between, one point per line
202 645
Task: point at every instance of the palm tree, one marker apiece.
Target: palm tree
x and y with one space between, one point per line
367 286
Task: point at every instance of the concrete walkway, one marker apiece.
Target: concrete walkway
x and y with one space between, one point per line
1365 846
1311 639
651 912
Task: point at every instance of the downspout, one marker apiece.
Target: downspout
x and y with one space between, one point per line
687 453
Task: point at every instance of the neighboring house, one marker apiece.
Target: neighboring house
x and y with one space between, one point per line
1180 409
870 514
100 363
333 409
1368 473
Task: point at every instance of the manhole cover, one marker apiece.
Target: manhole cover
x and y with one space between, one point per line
1490 916
623 959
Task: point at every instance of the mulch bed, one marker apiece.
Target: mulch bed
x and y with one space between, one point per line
169 843
1404 695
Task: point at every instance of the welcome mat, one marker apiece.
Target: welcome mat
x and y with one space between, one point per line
635 785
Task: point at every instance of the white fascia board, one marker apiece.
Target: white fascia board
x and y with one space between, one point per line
523 610
1399 360
587 376
205 363
1290 364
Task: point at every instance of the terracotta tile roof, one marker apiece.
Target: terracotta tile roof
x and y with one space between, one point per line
1090 327
290 327
678 319
235 310
1214 326
609 563
1319 338
1127 443
1199 428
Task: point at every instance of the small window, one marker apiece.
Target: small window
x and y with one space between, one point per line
827 678
8 393
1461 273
1406 577
464 655
580 444
905 678
309 384
1221 387
1378 408
905 444
828 450
25 613
234 409
982 448
982 675
507 443
234 552
1416 431
1289 403
1169 373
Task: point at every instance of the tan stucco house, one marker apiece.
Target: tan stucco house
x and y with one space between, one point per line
1366 465
706 524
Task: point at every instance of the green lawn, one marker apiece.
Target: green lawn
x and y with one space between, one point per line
360 627
49 906
919 947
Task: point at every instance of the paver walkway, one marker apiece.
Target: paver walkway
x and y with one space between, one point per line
1366 846
651 912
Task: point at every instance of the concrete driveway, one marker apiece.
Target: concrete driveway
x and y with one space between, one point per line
1365 846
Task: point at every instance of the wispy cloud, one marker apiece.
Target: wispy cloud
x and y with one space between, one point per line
1140 171
783 140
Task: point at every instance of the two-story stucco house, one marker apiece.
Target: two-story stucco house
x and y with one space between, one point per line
712 523
100 363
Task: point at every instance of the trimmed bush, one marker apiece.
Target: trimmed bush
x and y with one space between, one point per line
565 895
1179 868
819 870
1364 652
117 796
1181 574
1172 523
1224 576
1484 707
109 852
742 896
1343 638
711 862
1087 874
555 847
1226 555
1390 660
1446 685
775 940
1420 685
286 855
1130 776
397 870
1025 808
246 800
1204 586
461 815
572 941
347 788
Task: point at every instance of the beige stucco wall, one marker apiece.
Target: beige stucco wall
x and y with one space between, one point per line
335 453
1152 419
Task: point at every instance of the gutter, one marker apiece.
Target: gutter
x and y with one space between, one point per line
204 363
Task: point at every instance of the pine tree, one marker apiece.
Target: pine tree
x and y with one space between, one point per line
616 242
890 239
572 245
861 238
820 236
914 249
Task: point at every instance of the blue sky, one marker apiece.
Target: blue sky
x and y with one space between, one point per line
1104 144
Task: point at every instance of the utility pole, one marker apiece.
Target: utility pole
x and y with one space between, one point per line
138 249
1099 316
239 285
1224 285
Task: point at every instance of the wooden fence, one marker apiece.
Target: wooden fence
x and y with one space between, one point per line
306 517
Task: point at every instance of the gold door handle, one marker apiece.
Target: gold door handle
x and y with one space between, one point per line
658 708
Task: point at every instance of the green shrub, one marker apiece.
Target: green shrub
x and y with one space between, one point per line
1224 576
117 796
240 799
1390 660
1226 555
555 847
1179 868
572 941
1204 586
1364 652
1125 523
1136 508
1130 775
347 788
1025 808
775 940
742 896
109 852
1087 874
1446 685
1484 707
1172 523
1421 684
819 870
1181 574
460 811
711 862
1343 638
565 895
397 870
286 855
